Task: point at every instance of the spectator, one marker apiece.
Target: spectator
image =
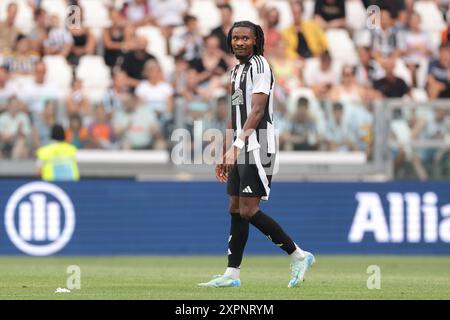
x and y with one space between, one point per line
39 33
323 79
287 71
84 43
330 13
59 40
43 123
15 131
114 40
211 64
196 97
155 92
368 70
283 124
305 39
386 40
136 127
8 31
77 134
57 160
219 118
100 130
437 128
271 19
418 46
391 86
135 60
339 137
76 101
187 40
216 120
35 94
303 134
137 12
178 78
397 9
22 60
7 87
169 15
438 85
226 22
115 95
348 91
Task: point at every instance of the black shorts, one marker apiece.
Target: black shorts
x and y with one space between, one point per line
251 178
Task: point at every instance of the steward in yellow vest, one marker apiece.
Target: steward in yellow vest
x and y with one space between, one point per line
57 161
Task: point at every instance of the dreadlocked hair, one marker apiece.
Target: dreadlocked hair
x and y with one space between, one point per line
258 48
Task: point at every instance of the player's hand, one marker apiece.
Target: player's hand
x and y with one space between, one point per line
222 172
231 156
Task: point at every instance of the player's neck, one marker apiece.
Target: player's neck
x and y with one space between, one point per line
246 59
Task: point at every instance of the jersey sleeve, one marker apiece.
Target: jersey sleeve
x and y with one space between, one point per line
262 75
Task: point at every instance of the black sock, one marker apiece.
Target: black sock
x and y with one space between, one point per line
238 239
273 231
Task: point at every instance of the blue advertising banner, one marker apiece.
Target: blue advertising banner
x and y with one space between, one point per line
125 217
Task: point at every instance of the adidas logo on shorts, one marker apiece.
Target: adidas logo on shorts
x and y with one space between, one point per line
247 190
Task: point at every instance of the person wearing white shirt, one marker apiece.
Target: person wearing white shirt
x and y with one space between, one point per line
154 92
15 130
37 93
7 88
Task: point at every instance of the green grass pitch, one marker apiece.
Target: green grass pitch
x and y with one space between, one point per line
263 277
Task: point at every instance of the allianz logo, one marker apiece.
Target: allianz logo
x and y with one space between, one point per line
411 218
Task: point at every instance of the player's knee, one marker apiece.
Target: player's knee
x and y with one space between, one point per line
248 211
233 205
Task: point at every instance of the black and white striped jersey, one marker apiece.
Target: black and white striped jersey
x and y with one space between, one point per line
255 76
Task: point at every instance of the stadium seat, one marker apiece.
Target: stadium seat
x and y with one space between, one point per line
402 71
432 19
95 75
362 38
341 46
24 18
157 47
58 71
419 95
244 10
118 4
355 14
308 8
207 14
55 7
95 13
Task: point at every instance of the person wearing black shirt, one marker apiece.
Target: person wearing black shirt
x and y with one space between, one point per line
438 85
391 86
135 60
330 13
226 21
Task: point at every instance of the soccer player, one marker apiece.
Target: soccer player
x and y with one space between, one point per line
248 177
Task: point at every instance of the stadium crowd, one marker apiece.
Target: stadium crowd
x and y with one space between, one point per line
153 59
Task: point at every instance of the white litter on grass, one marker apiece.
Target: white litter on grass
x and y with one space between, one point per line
62 290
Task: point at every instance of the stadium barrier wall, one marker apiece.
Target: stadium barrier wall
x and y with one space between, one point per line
125 217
